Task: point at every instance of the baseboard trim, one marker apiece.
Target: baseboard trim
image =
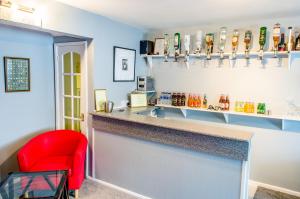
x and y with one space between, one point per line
118 188
254 184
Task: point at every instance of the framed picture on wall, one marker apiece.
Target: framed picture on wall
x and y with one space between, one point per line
100 99
124 64
17 74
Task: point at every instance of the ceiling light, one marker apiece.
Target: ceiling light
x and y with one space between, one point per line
5 3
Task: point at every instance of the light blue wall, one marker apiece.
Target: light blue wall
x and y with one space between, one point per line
106 34
26 113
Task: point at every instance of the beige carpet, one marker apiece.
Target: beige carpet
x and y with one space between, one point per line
93 190
263 193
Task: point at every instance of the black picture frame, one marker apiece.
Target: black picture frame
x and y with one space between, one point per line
124 64
9 80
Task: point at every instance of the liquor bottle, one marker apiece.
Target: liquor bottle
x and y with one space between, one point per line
209 39
183 99
236 106
199 37
247 41
177 45
262 41
297 43
198 102
276 38
178 99
174 99
291 41
194 101
222 102
204 102
189 101
166 47
246 107
222 42
187 41
235 43
282 46
227 103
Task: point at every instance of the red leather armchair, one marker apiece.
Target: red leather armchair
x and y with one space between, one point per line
56 150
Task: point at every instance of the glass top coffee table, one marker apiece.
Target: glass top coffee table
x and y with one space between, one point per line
50 184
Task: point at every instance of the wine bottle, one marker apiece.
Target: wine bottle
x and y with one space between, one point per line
247 41
209 39
166 47
282 46
235 43
297 44
199 37
222 42
262 41
177 45
187 41
291 41
276 38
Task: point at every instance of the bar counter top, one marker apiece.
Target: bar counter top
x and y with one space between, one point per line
182 125
183 133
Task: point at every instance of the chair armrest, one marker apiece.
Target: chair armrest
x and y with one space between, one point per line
29 154
79 157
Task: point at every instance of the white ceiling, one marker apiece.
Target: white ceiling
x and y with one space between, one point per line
159 14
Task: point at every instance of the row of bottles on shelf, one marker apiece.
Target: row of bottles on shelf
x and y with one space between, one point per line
180 99
279 43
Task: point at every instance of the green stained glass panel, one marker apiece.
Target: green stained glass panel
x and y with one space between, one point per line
76 108
76 87
67 85
68 124
68 107
76 63
77 125
67 63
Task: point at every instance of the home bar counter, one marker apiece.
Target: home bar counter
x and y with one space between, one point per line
165 153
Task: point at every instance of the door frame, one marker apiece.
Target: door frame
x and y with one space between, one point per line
84 78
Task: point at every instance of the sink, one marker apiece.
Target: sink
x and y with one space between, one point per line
155 112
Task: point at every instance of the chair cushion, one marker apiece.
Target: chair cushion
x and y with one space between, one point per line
54 163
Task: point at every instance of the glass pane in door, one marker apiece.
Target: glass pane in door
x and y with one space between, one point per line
76 63
67 84
67 63
68 124
71 90
77 125
76 108
68 106
76 87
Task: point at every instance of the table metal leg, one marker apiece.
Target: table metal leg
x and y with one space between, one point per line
11 189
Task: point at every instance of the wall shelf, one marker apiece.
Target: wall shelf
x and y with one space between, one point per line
227 114
239 55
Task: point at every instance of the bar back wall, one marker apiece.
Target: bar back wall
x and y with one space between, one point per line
271 82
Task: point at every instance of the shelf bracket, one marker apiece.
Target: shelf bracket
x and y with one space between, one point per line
184 112
283 124
226 117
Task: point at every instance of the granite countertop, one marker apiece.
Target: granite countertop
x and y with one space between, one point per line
130 115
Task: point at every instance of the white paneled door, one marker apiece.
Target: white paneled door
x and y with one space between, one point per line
70 81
